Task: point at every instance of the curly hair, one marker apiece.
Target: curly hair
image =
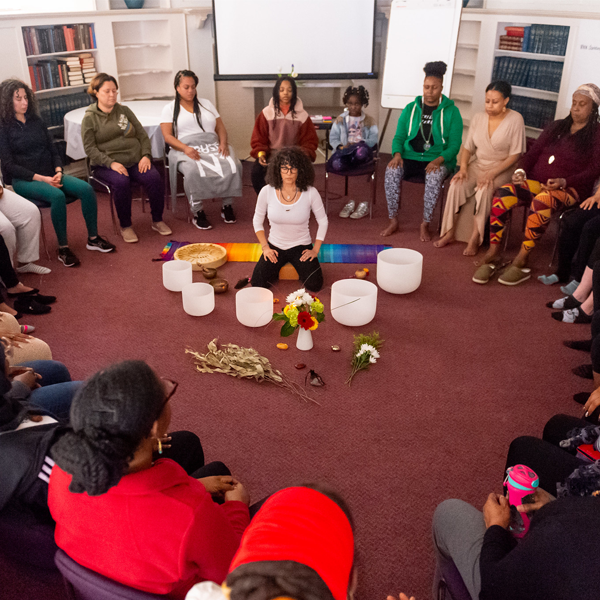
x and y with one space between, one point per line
435 69
276 87
295 158
360 92
7 92
97 82
110 416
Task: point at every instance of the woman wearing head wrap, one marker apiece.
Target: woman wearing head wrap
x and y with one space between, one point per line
425 146
558 172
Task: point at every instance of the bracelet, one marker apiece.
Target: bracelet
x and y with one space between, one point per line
521 172
262 153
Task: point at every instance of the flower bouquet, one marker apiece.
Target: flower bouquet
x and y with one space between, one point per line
366 353
303 310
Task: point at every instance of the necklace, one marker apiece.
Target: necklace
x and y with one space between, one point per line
288 197
426 145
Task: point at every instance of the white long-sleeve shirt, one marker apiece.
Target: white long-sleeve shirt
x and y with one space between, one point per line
289 223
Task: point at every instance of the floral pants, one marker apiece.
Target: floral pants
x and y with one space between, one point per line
414 169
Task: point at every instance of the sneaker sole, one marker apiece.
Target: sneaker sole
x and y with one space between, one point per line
358 216
66 265
202 228
481 281
344 216
162 232
89 247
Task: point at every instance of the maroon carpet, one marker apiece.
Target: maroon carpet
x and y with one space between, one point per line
465 368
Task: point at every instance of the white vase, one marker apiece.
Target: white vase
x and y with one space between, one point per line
304 340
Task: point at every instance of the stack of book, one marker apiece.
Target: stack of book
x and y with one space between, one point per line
525 72
88 67
52 110
540 39
513 40
74 67
536 113
59 38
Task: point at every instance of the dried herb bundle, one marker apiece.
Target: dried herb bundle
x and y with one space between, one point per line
244 363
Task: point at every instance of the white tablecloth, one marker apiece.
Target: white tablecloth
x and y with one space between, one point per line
148 113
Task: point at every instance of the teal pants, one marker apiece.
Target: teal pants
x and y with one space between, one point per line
57 199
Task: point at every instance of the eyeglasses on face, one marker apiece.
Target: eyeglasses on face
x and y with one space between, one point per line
288 169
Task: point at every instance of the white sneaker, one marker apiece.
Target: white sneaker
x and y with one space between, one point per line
361 211
348 209
33 268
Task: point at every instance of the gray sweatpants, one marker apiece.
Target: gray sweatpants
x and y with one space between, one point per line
458 530
192 182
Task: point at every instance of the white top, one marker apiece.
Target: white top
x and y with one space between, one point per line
289 224
27 423
186 121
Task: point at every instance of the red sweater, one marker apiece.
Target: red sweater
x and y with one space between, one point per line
580 172
158 530
274 131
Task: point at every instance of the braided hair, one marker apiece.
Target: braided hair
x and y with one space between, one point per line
276 87
435 69
584 137
111 414
265 580
360 92
176 109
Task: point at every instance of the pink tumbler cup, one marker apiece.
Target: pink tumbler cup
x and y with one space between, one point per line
520 481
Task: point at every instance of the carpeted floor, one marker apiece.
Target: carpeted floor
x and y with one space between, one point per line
465 368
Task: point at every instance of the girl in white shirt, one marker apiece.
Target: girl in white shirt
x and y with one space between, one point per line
287 200
199 150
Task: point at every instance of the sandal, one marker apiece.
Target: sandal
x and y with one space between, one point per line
484 273
30 306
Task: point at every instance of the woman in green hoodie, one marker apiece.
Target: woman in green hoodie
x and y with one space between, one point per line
426 143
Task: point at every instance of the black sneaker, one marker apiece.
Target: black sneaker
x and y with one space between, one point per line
100 244
227 214
67 258
201 222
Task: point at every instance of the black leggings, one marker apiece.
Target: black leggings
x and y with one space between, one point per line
571 234
258 177
551 463
310 272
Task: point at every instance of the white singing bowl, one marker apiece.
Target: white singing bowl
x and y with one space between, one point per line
353 302
176 274
399 270
198 299
254 306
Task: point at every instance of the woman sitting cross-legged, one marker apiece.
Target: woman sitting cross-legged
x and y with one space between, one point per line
559 171
287 200
199 149
31 163
353 135
495 141
427 140
130 507
120 152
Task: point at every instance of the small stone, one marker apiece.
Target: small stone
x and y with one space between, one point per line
300 366
282 346
275 300
335 348
360 274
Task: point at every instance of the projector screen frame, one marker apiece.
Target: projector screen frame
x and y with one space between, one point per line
303 76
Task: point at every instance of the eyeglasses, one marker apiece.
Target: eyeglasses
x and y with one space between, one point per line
288 169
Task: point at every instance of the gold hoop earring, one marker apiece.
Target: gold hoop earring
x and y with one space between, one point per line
159 445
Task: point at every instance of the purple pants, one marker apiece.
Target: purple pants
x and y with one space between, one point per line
151 181
342 160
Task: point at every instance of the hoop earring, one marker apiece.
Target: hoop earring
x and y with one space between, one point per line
159 445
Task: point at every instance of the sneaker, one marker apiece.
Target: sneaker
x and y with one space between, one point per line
67 258
227 214
162 228
33 268
361 211
129 235
201 222
100 244
348 209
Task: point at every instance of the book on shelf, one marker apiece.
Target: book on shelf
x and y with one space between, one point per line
524 72
548 39
536 113
52 110
52 39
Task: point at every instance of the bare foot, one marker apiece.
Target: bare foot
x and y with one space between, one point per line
445 240
391 228
7 309
19 289
471 249
424 232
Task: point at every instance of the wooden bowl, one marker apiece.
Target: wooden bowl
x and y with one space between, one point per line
202 255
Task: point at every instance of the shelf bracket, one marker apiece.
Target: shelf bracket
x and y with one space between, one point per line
199 16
